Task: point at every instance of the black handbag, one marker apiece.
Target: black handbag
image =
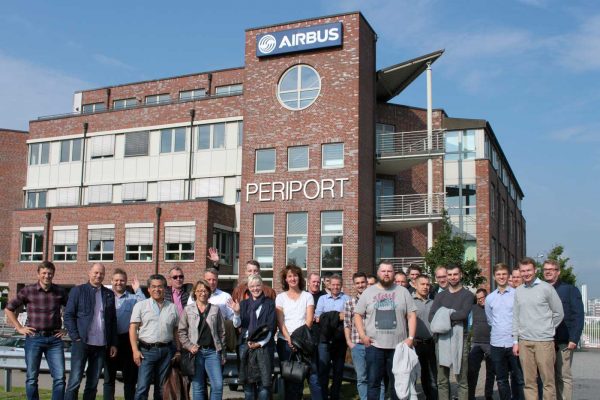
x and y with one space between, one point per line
294 370
187 363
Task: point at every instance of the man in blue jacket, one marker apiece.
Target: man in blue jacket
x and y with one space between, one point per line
91 320
568 332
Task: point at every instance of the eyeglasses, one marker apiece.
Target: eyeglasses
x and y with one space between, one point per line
550 269
177 277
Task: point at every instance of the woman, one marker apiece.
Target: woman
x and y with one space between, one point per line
202 332
256 317
295 308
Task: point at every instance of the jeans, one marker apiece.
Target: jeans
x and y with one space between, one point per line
253 391
81 354
480 352
123 362
208 362
360 367
426 353
443 374
379 363
292 390
52 348
504 361
152 371
331 357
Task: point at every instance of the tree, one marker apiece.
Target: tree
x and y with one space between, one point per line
449 249
566 271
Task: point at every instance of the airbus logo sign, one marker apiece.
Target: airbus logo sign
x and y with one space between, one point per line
301 39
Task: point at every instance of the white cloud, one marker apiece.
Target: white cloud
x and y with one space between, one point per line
580 50
29 91
111 62
577 134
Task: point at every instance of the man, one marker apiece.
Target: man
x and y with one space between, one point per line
371 280
459 299
178 293
42 330
424 344
218 297
537 312
91 320
568 332
329 314
441 279
413 272
124 302
480 348
383 315
401 279
314 286
241 292
499 313
154 324
327 282
515 278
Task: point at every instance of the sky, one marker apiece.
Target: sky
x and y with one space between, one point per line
529 67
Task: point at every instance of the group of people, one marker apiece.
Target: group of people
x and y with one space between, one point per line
525 329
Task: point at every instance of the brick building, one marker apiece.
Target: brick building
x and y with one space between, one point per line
299 156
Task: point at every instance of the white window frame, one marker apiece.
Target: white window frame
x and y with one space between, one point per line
102 146
173 133
298 236
304 168
132 136
194 94
66 251
134 192
36 194
122 104
209 188
171 190
32 255
109 195
155 99
340 164
176 255
299 90
262 151
211 136
228 90
264 265
105 255
329 245
139 240
68 196
38 151
71 145
93 108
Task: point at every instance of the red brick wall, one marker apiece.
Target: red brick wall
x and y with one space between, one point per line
13 176
205 213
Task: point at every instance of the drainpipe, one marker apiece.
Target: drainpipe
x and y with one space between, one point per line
192 115
429 160
47 234
209 88
108 99
83 158
157 238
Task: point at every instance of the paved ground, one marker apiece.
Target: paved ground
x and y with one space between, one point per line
586 366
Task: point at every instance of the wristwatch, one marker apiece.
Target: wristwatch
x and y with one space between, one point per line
411 338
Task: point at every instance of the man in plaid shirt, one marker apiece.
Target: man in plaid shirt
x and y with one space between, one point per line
42 330
356 347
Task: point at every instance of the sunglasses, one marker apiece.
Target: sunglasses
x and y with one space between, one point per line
177 277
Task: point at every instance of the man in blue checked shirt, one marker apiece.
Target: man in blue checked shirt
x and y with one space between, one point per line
332 342
499 313
124 302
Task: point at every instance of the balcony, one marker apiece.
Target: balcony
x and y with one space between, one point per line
402 263
406 211
402 150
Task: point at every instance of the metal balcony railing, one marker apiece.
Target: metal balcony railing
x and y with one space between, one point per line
402 263
400 144
410 206
590 338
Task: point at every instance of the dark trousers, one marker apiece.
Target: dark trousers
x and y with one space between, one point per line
379 364
504 362
426 352
122 362
82 354
478 353
331 358
293 390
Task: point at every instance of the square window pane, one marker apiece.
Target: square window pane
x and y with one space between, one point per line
109 245
31 199
179 139
76 150
263 224
165 141
26 242
265 160
298 157
65 150
218 136
95 245
264 255
204 137
331 222
331 257
297 256
38 242
290 81
41 199
45 153
297 223
452 142
34 154
333 155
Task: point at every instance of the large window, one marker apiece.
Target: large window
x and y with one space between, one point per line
136 144
461 199
158 99
36 199
179 242
297 238
384 247
172 140
32 245
263 240
297 158
265 160
209 188
67 196
70 150
65 244
332 231
101 244
299 87
333 155
138 243
192 94
223 241
92 108
125 103
229 89
102 146
460 145
100 194
211 136
39 153
170 190
134 192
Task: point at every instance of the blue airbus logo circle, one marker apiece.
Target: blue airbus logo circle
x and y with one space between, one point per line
267 44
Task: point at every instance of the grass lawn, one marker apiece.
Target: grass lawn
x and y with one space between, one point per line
18 393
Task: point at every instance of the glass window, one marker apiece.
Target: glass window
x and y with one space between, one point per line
333 155
297 158
172 140
192 94
384 247
170 190
136 144
179 243
32 246
125 103
158 99
265 160
65 245
332 231
92 108
138 244
36 199
211 136
218 136
240 133
468 145
229 89
299 87
263 240
297 238
99 194
70 150
134 192
223 241
101 244
39 153
102 146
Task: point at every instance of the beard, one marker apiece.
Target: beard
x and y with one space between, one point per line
386 282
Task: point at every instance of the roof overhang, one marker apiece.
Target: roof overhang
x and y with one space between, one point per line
391 81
